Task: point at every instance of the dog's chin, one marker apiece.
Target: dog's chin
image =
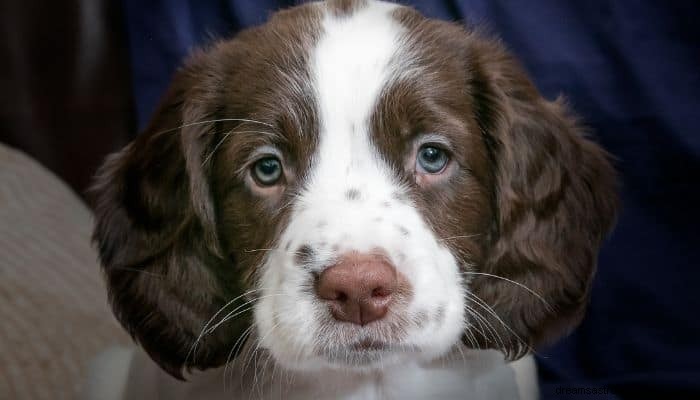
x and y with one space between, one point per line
352 360
364 356
322 343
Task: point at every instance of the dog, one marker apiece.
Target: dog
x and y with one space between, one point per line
353 201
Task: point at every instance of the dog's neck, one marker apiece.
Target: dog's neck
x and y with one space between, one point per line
462 374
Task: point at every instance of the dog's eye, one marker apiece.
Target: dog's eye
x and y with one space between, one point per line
431 159
267 171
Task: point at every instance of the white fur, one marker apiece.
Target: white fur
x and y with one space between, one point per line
465 374
351 64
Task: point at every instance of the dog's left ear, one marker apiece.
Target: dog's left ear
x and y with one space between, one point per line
555 196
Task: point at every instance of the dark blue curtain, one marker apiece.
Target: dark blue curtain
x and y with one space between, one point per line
631 69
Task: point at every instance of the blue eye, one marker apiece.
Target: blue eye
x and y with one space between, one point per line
267 171
431 159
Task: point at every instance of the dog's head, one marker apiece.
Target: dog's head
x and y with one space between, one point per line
352 185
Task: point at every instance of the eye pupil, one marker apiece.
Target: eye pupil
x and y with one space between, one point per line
432 159
267 171
431 154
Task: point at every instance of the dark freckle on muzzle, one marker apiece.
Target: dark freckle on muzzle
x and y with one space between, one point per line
440 314
304 255
421 319
400 197
403 230
353 194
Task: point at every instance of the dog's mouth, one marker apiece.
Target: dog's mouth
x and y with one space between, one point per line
366 353
370 345
378 343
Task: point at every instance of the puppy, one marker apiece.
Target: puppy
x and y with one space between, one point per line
353 201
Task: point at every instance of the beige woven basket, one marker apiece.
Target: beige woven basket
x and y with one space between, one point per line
54 317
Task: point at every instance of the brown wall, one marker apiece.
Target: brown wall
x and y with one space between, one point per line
64 83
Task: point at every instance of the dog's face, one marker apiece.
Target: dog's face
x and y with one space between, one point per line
351 185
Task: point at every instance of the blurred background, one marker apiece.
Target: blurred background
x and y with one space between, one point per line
78 78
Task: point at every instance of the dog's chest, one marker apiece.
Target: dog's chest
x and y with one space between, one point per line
404 382
472 375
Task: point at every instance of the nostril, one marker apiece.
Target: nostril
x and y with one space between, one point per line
341 297
381 292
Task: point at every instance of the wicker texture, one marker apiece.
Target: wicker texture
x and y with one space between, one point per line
54 316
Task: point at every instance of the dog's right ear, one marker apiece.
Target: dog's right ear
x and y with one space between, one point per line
156 232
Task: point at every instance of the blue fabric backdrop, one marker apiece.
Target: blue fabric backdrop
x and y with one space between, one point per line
632 70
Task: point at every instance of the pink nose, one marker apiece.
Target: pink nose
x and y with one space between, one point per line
359 288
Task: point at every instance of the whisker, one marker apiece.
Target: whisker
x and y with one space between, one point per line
549 307
472 337
211 121
461 352
258 342
234 313
254 354
459 237
488 325
231 316
490 310
239 342
141 271
207 158
264 368
204 328
472 340
262 249
223 139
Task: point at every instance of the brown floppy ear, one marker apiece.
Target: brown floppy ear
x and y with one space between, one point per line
157 237
555 196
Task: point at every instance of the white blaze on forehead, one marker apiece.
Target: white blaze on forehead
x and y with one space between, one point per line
350 67
347 205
